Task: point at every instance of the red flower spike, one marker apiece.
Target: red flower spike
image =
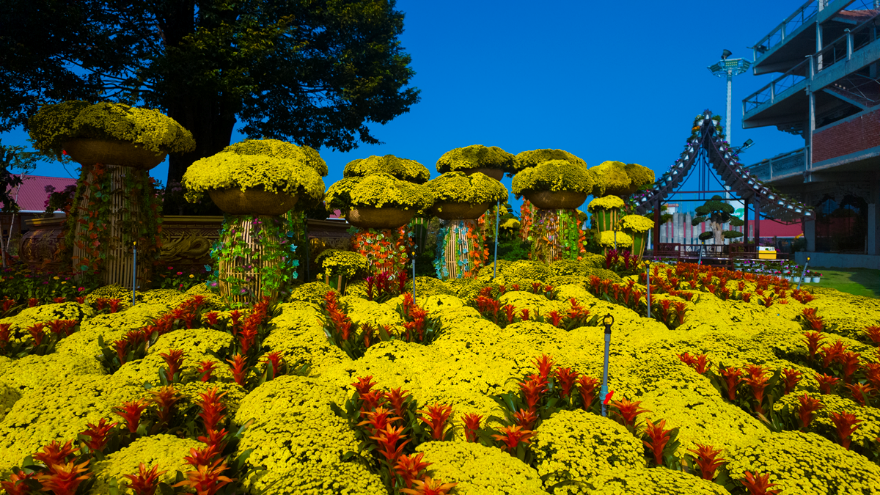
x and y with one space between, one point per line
206 480
201 457
378 420
239 369
873 332
701 364
555 318
512 436
436 417
845 423
388 439
144 482
131 412
524 315
63 479
275 360
98 434
165 398
566 378
212 408
733 377
791 377
587 387
55 453
525 418
212 318
15 485
205 369
429 486
471 426
707 460
174 359
628 411
411 468
37 334
808 405
860 392
759 485
758 381
544 365
364 385
533 389
397 398
826 382
372 400
872 373
850 362
659 437
687 359
215 438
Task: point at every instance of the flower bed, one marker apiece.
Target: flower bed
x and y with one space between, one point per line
736 384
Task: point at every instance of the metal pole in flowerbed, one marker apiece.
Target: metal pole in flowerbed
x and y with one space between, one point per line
803 272
608 321
134 263
497 209
648 280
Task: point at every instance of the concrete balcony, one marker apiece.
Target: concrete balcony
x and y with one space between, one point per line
787 168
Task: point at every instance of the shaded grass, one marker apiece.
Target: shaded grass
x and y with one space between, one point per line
855 281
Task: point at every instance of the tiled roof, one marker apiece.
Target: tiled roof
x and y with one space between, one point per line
32 196
857 15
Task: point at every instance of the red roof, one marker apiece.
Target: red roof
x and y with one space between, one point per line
772 228
32 195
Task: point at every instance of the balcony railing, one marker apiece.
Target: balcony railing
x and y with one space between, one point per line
801 16
785 165
839 50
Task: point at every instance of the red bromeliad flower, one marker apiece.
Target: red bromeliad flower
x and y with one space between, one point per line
628 411
212 318
808 405
587 387
201 457
247 336
205 369
98 434
131 412
758 381
239 369
873 332
687 359
833 353
55 453
5 335
845 423
850 362
275 360
436 417
174 359
566 378
512 436
524 315
144 482
212 408
411 468
379 419
555 318
707 460
759 485
388 439
63 479
429 486
659 437
545 366
206 480
364 385
791 377
872 373
701 364
471 426
165 398
860 392
16 485
37 333
215 438
509 312
525 418
532 389
62 327
733 377
826 382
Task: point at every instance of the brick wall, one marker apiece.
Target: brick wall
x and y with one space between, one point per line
860 133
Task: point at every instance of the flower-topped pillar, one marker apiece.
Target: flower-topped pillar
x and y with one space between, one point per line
557 189
637 228
116 204
617 182
255 255
380 206
459 199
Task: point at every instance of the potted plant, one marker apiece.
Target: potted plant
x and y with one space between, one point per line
458 196
554 185
817 277
378 201
115 204
622 179
606 212
401 168
637 227
492 161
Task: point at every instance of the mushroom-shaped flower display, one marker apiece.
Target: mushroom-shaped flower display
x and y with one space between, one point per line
554 184
378 201
621 179
606 212
490 160
274 148
401 168
533 158
461 196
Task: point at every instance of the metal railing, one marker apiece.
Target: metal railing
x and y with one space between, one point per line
806 12
838 50
783 165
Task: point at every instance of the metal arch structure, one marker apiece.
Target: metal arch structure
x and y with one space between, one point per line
723 159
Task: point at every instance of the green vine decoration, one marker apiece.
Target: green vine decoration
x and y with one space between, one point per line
557 235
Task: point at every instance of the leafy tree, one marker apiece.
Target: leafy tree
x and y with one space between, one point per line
717 212
313 72
12 157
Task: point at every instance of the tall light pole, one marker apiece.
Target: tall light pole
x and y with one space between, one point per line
729 68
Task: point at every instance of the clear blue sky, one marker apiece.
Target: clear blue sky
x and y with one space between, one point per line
603 80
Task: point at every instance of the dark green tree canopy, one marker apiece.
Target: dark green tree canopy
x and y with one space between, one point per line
717 212
313 72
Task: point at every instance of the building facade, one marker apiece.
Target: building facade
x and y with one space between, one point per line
825 58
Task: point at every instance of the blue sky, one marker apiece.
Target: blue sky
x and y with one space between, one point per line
603 80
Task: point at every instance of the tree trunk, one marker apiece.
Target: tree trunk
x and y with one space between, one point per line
211 122
717 236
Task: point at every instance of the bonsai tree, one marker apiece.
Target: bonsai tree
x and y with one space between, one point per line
717 212
401 168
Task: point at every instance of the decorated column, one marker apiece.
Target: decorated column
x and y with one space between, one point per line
255 257
115 203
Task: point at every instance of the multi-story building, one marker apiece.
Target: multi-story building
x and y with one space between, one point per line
826 88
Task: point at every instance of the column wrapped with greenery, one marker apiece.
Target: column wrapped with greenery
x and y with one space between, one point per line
341 267
637 227
557 187
116 203
606 212
256 255
459 199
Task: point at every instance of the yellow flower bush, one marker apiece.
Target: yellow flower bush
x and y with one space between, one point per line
456 187
658 481
605 203
53 125
278 149
480 470
336 262
553 175
166 451
312 292
636 223
608 238
476 156
378 190
619 179
533 158
401 168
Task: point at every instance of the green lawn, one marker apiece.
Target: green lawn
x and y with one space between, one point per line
856 281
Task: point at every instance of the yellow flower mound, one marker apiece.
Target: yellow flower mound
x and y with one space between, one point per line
58 410
479 470
605 203
336 262
804 463
53 125
535 303
568 267
845 314
656 481
274 148
195 343
533 158
524 269
608 238
476 156
620 179
299 440
30 372
554 175
579 446
299 335
167 451
592 260
636 223
312 292
363 311
868 430
403 169
379 190
457 187
8 397
227 170
45 313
